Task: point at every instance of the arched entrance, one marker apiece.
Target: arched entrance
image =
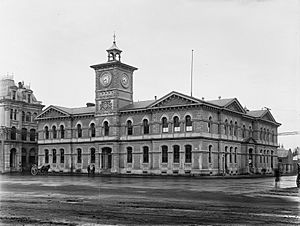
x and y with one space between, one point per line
24 159
251 166
13 159
106 158
32 157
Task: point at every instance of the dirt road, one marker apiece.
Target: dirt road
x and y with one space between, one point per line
81 200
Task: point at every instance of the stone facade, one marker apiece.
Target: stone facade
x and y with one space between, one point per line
173 135
18 110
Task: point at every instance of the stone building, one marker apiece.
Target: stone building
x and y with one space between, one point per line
175 134
18 110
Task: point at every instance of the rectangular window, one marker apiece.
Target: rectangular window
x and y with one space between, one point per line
129 155
54 156
188 153
145 155
209 154
93 155
78 155
176 154
62 156
164 154
46 156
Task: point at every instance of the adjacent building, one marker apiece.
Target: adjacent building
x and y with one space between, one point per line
172 135
18 131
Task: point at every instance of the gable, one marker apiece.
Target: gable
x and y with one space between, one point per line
52 112
267 116
235 106
174 100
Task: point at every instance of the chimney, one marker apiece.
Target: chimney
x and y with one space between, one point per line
155 97
202 98
219 97
90 104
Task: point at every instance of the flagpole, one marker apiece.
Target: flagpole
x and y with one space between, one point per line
192 67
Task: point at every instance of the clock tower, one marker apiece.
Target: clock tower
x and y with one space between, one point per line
114 83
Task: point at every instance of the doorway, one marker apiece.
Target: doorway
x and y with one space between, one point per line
106 158
13 159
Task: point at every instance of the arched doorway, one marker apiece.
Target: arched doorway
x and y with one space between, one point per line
251 169
106 158
32 157
24 159
13 159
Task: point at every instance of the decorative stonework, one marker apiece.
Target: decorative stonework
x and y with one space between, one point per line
105 105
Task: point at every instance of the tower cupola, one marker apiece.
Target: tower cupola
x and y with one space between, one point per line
114 53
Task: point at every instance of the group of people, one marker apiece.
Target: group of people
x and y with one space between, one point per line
91 170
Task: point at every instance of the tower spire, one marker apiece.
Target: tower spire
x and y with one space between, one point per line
114 38
114 53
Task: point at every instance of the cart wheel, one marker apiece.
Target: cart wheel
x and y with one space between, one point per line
34 170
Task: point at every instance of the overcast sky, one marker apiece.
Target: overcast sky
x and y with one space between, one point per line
242 48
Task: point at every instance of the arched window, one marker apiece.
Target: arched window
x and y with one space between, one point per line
79 131
235 129
230 155
129 154
264 156
261 133
230 128
15 114
46 131
46 156
272 159
32 135
79 152
23 116
62 156
209 124
106 128
267 156
165 127
28 117
176 124
11 113
209 153
164 154
54 156
261 156
272 136
93 130
226 127
93 155
129 127
176 154
188 123
146 126
268 135
235 155
264 137
62 131
244 131
13 133
188 153
145 154
250 131
24 134
54 132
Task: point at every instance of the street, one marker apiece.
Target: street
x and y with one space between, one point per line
77 200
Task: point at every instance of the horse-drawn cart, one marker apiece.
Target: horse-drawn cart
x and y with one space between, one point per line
36 170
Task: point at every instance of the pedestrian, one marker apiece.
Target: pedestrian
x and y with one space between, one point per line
93 170
88 170
277 177
298 176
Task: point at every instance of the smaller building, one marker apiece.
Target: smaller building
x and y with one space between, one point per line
18 128
285 161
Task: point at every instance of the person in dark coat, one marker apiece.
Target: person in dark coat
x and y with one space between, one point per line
88 170
298 176
93 170
277 177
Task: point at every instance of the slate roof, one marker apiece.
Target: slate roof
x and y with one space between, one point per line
138 105
221 102
77 111
256 113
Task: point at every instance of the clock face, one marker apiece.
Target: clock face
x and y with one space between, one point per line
125 81
105 79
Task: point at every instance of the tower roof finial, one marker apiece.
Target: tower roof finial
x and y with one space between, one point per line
114 37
